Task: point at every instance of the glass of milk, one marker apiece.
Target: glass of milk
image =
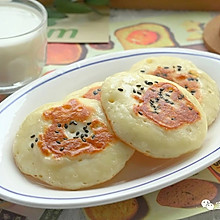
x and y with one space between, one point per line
23 42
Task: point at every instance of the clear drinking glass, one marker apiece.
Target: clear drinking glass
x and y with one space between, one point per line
23 42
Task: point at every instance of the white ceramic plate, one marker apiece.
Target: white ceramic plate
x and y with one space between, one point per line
140 175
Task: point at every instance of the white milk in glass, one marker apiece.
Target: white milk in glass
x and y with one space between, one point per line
22 44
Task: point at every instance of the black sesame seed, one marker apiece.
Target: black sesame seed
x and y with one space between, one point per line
36 139
134 91
95 92
32 145
139 93
142 88
65 139
93 136
190 79
190 108
58 125
186 87
86 135
73 122
181 96
62 148
99 90
120 89
66 126
58 142
138 85
57 132
140 113
87 131
89 123
32 136
83 139
77 133
155 81
166 67
142 71
148 83
193 92
160 95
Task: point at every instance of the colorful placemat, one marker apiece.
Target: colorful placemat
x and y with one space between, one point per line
128 30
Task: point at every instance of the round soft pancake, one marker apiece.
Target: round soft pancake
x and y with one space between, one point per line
153 115
90 92
187 75
69 145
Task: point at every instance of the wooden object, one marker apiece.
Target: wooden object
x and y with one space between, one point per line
204 5
211 35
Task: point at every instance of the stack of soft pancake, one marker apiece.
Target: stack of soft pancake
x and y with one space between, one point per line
161 107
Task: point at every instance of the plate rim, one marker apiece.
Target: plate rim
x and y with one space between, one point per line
41 201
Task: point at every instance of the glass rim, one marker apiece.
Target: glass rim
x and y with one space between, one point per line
43 11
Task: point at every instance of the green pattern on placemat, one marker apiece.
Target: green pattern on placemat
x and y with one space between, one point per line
51 214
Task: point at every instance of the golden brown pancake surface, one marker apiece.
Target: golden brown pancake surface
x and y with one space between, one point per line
92 138
167 106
